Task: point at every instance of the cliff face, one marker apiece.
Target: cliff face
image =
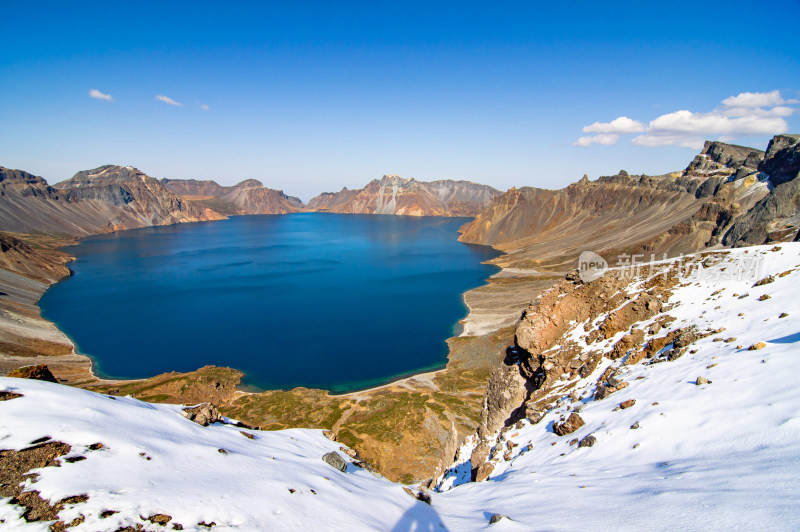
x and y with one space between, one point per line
248 197
395 195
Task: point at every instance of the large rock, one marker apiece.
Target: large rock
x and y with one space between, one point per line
573 423
335 461
39 372
202 414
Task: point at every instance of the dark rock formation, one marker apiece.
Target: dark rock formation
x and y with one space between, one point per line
718 156
335 461
782 161
39 372
767 217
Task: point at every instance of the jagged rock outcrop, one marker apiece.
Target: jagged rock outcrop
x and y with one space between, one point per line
776 215
248 197
719 157
394 195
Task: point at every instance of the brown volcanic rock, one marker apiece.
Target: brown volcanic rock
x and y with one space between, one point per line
572 423
40 265
141 200
248 197
395 195
39 372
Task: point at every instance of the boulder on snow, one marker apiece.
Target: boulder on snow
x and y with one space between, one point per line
483 471
588 441
497 517
756 346
203 414
702 380
573 423
627 404
335 461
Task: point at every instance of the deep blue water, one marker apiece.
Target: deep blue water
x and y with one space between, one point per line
339 302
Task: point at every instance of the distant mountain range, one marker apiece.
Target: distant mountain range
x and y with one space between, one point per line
248 197
394 195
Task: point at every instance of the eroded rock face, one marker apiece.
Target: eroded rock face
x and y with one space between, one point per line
542 356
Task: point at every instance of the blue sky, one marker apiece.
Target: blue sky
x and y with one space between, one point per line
310 97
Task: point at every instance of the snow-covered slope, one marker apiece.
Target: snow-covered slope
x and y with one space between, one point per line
723 455
718 456
154 461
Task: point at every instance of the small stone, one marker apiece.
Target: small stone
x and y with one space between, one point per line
765 280
7 396
765 297
335 461
159 519
710 366
222 451
701 381
729 340
603 392
623 385
573 441
635 426
616 409
96 446
756 346
497 517
588 441
614 381
329 434
783 315
247 435
636 446
535 417
627 404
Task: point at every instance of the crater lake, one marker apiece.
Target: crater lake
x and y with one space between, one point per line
331 301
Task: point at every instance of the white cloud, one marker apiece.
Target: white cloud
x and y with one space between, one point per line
204 107
756 99
168 100
621 125
603 138
743 115
94 93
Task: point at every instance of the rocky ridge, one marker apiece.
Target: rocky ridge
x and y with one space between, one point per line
725 197
395 195
248 197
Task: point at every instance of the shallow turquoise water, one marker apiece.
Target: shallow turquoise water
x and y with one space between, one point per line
339 302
